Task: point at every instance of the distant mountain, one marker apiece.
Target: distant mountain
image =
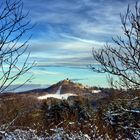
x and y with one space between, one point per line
24 88
68 86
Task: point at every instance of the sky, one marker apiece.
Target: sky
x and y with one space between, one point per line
65 33
67 30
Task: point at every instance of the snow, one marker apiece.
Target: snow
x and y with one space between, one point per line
58 96
59 134
59 90
132 110
96 91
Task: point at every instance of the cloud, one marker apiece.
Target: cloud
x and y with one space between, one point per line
71 62
88 19
82 40
70 29
79 79
44 72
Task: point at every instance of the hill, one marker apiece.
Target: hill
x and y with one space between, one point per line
68 87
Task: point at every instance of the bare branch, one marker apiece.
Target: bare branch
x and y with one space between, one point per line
13 28
123 59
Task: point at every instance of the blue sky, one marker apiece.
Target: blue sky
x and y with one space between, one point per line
65 33
67 30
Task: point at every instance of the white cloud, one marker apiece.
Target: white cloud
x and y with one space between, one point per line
43 72
70 29
93 42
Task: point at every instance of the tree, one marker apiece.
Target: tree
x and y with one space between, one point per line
13 43
123 59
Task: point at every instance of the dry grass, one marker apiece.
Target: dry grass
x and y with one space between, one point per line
73 115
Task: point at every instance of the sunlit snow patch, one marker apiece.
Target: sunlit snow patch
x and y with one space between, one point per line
58 96
96 91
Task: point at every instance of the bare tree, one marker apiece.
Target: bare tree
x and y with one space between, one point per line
122 60
13 43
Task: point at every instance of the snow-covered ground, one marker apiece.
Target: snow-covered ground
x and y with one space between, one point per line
58 96
59 134
96 91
